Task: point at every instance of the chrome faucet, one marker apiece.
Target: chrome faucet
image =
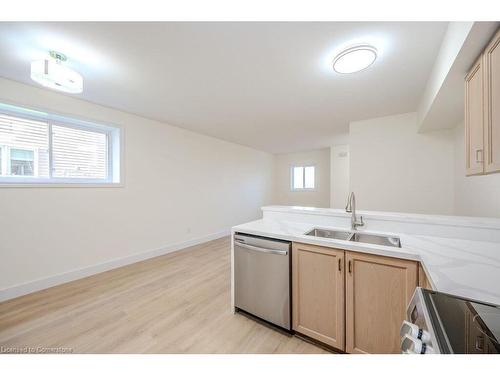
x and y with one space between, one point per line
351 207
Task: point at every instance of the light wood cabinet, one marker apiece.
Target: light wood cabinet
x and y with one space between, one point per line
318 293
474 107
482 112
491 63
378 290
351 301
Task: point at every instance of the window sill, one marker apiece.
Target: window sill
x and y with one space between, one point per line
62 185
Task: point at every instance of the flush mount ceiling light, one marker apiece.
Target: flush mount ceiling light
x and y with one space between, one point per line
355 59
53 74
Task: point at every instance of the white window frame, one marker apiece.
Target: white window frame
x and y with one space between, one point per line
3 160
114 139
304 166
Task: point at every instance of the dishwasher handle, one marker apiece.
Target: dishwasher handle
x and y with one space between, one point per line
260 249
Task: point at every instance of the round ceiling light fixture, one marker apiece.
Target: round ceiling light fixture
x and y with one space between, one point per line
355 59
53 74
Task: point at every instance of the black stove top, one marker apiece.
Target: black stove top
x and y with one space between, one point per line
463 326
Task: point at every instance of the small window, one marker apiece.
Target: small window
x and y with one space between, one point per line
303 178
39 148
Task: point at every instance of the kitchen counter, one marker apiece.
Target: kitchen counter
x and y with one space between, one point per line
463 267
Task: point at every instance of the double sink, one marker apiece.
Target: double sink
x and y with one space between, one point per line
374 239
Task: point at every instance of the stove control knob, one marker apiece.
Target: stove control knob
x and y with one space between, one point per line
414 331
412 345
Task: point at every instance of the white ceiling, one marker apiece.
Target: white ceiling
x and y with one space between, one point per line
266 85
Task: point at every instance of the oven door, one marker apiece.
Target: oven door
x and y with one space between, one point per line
417 332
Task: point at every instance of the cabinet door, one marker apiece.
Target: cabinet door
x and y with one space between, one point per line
492 105
318 293
474 152
378 290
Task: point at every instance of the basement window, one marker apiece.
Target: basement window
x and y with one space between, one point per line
39 148
303 178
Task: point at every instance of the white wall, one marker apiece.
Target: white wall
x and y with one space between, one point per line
283 195
452 43
179 186
339 175
394 168
474 195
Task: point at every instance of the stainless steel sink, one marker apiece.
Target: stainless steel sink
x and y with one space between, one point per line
376 239
335 234
356 237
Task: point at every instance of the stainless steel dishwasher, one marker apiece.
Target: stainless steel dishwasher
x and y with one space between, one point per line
262 278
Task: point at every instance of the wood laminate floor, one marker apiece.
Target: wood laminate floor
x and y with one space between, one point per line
176 303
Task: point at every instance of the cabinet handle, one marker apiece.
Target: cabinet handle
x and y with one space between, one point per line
479 343
478 152
340 265
350 267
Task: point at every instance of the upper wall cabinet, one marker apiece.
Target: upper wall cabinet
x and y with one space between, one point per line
492 106
474 135
482 112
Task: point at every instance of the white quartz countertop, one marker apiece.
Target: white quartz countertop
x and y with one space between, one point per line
461 221
470 269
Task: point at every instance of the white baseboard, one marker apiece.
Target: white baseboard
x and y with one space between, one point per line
40 284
